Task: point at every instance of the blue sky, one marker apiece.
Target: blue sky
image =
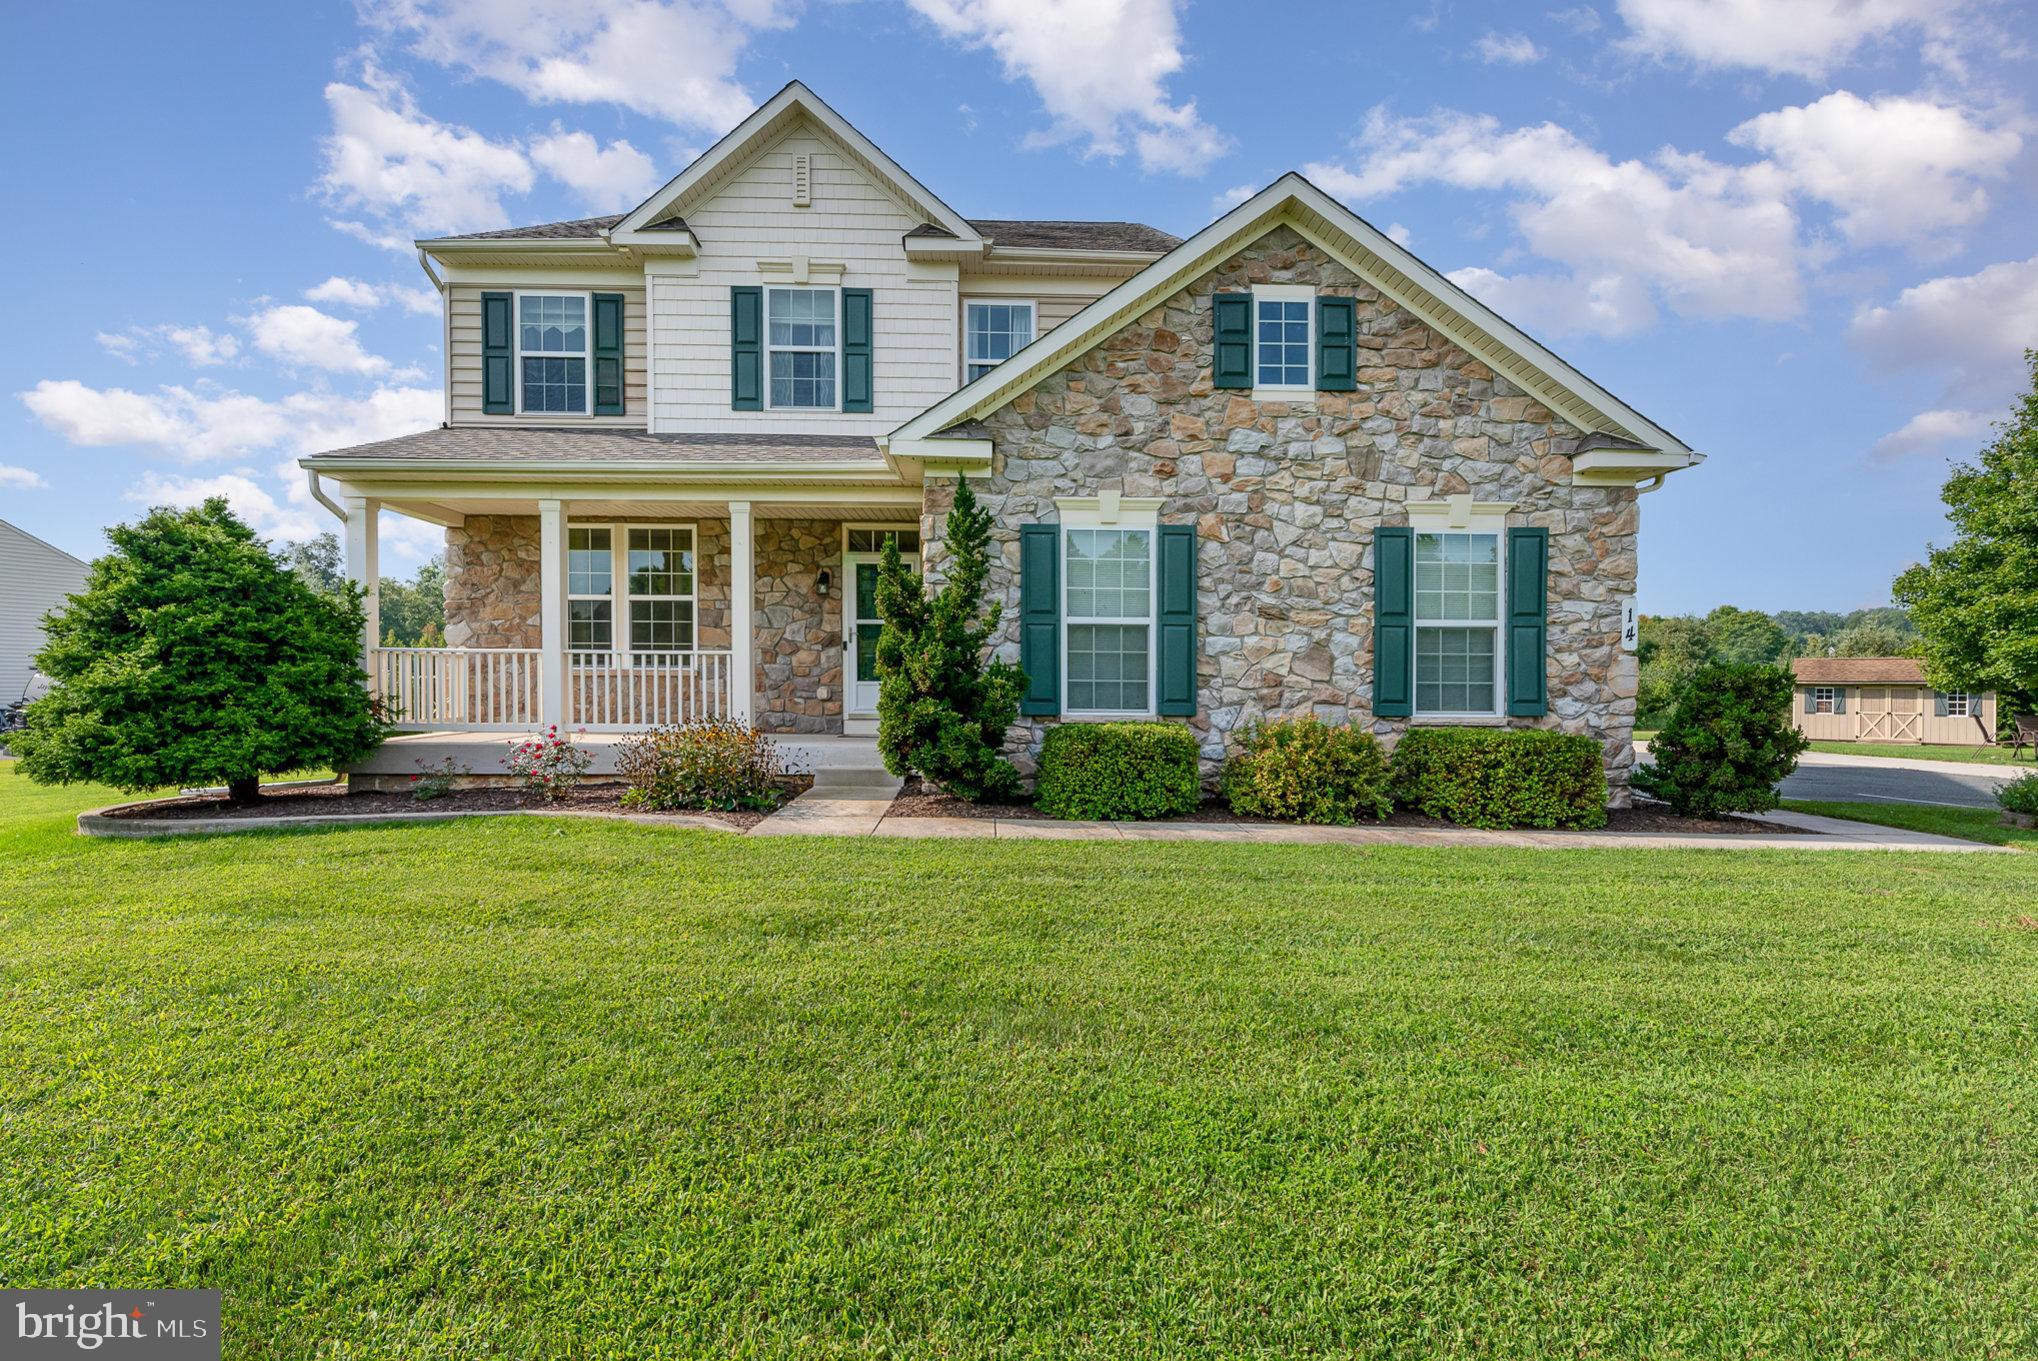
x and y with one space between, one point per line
1797 234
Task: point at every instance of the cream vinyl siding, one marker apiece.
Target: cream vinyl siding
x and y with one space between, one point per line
37 578
853 224
463 360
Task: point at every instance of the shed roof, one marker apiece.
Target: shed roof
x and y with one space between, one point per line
1858 671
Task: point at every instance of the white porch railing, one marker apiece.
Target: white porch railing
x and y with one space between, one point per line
614 690
459 687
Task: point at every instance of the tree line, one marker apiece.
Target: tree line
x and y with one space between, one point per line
413 612
1673 647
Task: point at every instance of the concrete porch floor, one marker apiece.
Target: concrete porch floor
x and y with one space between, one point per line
485 755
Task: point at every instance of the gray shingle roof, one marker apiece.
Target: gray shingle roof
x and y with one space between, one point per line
496 444
1134 236
1076 235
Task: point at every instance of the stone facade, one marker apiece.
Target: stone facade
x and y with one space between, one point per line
1286 495
492 592
492 582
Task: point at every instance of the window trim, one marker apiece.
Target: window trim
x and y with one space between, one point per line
767 349
620 596
1284 392
517 297
1825 699
1965 698
1109 510
1475 523
1032 306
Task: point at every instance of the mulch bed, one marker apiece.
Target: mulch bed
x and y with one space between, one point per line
333 800
915 800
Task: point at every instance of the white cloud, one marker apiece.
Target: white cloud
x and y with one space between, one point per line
387 157
1579 18
197 426
200 346
1232 197
607 179
1399 234
305 337
1562 304
674 60
1507 49
258 508
422 300
1703 239
1931 432
1896 169
1803 37
1100 68
24 479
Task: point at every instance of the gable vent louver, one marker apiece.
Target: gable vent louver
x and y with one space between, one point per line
803 180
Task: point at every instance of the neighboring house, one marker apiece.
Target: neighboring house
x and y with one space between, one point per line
1886 699
38 577
1282 467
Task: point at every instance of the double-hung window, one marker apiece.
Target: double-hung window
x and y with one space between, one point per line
992 333
802 348
590 588
661 584
1108 613
552 353
1281 338
1825 699
1457 623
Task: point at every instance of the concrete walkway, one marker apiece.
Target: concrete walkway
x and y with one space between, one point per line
845 801
826 811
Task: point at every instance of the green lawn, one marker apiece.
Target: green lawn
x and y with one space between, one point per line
535 1089
1995 756
1970 824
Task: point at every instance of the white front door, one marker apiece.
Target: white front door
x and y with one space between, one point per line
861 628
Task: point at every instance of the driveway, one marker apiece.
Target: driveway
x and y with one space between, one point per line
1870 779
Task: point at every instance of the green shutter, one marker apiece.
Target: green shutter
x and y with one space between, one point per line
1811 700
608 354
1839 699
1528 664
856 329
1177 670
1939 704
1337 345
746 349
498 391
1231 321
1040 618
1393 621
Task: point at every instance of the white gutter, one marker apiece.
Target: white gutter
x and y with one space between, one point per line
318 494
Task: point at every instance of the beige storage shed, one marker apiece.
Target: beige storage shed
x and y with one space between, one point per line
1886 699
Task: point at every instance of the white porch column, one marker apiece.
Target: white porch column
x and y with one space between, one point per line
552 613
742 595
364 569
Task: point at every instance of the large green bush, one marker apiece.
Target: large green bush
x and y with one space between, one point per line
2020 795
1303 770
1118 771
1728 744
1502 777
943 702
193 657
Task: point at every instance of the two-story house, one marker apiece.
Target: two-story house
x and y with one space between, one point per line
1280 467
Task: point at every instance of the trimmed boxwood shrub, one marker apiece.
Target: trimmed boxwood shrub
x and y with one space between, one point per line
1303 770
1728 745
1118 771
1501 777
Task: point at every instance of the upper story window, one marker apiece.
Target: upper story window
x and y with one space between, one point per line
801 341
1281 326
1457 623
552 353
992 333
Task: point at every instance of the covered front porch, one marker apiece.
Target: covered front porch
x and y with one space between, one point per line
613 604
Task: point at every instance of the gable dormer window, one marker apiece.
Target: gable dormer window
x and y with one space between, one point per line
801 348
552 353
1281 333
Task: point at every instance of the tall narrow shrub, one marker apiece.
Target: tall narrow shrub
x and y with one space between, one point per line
944 704
1728 744
193 657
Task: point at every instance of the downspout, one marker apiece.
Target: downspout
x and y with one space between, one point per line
318 494
446 329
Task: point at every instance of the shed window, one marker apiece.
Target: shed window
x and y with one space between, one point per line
1824 698
1959 704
